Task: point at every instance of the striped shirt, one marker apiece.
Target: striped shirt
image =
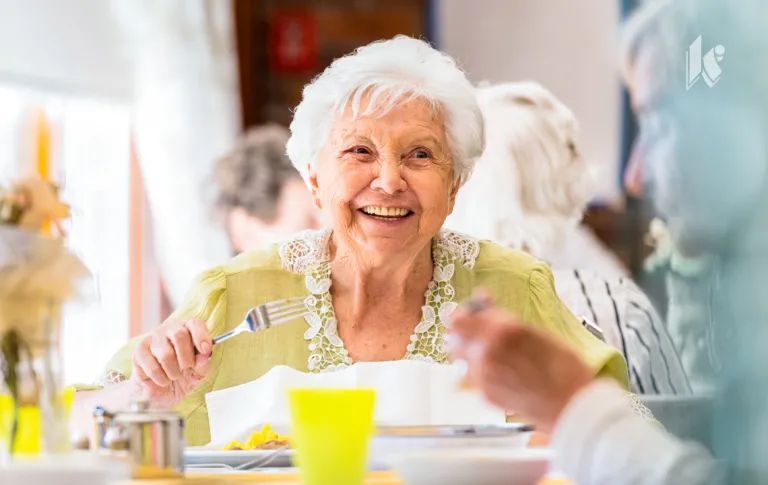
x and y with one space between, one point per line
631 324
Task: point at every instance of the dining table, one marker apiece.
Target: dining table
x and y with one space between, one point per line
279 478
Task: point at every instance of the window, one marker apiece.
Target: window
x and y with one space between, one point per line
90 156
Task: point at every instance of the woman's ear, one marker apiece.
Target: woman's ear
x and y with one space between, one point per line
454 190
313 187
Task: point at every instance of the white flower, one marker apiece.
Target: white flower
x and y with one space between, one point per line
329 331
428 318
443 274
445 311
317 287
315 324
442 347
313 362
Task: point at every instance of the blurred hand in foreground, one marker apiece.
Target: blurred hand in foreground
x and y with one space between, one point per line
516 367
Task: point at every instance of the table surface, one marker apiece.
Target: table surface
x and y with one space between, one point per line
376 478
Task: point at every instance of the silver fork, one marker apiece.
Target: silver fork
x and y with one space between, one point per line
267 315
257 463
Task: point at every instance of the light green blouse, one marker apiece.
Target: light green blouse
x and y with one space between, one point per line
301 267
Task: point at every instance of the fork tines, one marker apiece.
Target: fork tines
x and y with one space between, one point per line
276 313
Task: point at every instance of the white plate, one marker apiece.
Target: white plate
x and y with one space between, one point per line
205 455
492 466
390 446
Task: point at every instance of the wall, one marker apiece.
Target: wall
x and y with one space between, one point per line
69 46
340 26
568 46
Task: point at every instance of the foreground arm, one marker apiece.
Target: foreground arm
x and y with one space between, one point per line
599 440
597 435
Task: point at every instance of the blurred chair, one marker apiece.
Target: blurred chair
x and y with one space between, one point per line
687 417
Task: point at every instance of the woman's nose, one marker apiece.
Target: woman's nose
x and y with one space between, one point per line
389 179
633 177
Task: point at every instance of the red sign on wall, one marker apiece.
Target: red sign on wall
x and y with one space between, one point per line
292 42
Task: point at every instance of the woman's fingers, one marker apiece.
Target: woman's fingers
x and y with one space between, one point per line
148 367
465 325
198 329
181 339
166 355
202 366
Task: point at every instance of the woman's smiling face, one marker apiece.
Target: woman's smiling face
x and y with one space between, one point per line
386 182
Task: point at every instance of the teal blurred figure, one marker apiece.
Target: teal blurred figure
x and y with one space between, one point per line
703 116
702 105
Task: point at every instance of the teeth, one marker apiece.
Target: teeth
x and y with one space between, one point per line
386 211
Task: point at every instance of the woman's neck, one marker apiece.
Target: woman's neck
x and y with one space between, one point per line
368 282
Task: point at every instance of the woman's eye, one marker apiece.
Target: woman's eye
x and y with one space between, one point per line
421 154
361 151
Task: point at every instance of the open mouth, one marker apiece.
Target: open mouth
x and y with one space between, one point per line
386 213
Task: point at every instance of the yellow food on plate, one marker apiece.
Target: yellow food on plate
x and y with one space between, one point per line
266 439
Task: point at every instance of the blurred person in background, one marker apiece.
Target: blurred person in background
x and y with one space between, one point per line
689 277
528 191
262 198
704 165
532 185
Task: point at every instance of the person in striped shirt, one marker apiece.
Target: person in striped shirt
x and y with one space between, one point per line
529 191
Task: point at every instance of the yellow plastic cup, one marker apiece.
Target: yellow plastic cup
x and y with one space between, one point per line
6 419
330 430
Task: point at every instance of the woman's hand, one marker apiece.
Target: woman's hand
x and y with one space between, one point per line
171 362
517 367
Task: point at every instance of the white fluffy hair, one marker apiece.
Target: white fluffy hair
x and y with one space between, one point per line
531 181
389 72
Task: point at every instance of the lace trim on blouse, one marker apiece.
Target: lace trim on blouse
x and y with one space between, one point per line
308 254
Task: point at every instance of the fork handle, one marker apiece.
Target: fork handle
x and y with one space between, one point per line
221 338
225 336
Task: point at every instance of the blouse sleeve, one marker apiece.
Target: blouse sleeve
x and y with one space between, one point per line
545 310
206 300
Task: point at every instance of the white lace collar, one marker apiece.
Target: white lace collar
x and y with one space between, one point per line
308 254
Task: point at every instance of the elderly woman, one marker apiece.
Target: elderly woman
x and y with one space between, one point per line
532 151
384 139
261 196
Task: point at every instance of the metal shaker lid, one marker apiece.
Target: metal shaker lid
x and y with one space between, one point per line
140 412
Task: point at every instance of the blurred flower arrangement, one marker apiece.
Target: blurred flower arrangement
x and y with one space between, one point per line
666 257
37 275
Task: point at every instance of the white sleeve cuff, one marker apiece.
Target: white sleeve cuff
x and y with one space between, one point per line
600 439
590 412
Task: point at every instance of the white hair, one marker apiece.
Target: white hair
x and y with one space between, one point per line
389 72
649 27
532 179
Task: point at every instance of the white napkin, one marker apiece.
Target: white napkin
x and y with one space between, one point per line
407 393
